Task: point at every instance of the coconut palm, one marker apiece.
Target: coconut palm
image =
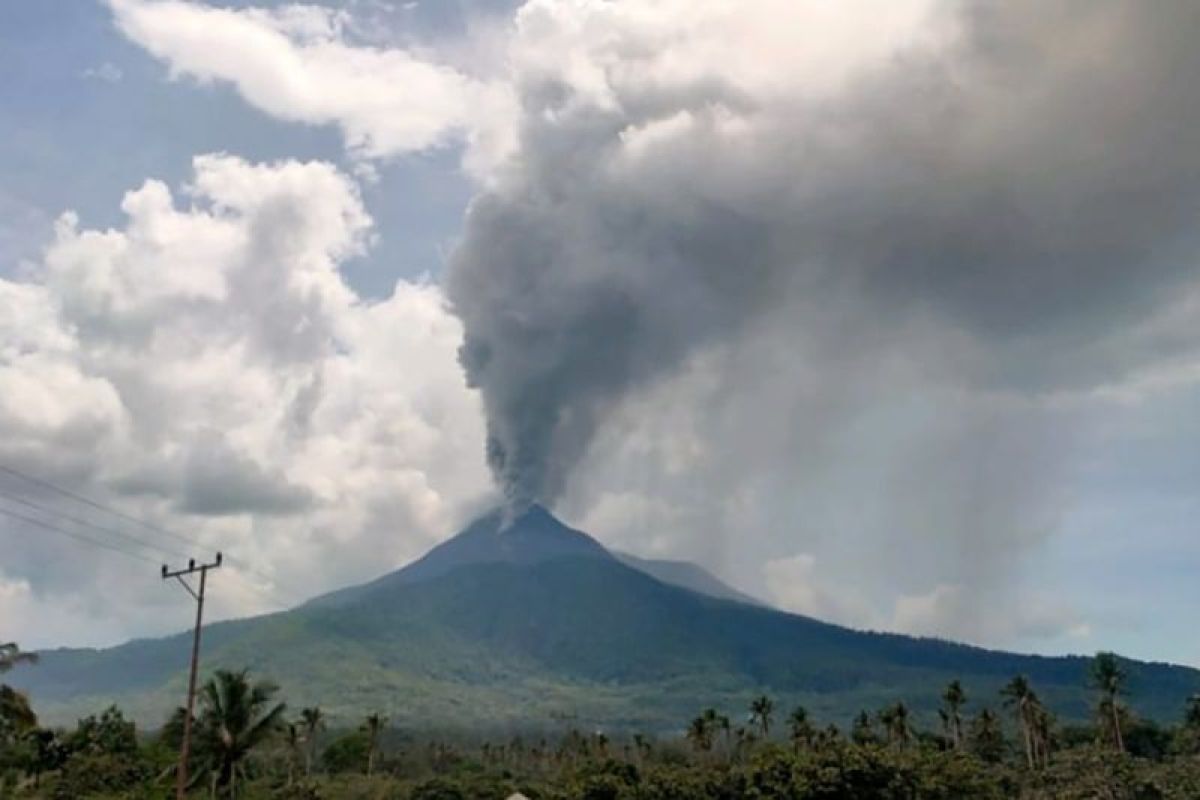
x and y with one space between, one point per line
1191 717
802 731
11 655
895 721
1042 723
863 730
700 732
1108 678
373 726
760 711
953 698
1019 696
987 736
292 740
313 722
721 723
236 717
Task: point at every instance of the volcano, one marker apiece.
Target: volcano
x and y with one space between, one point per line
531 623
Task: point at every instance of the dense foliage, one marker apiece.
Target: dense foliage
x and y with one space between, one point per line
1008 745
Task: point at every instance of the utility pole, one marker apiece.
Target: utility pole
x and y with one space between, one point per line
181 774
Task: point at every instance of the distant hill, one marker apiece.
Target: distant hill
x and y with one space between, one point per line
532 623
686 575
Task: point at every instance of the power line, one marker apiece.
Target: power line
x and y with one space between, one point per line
237 562
79 536
97 505
87 524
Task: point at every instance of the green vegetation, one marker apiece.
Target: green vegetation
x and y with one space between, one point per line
246 748
494 647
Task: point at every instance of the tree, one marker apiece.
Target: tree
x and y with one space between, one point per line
862 731
953 698
292 740
1042 723
372 727
313 721
721 722
700 732
236 717
1189 731
16 715
11 655
1191 717
802 731
987 736
895 721
1018 695
1108 678
761 709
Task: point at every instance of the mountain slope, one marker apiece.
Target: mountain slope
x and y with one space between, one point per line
534 537
686 575
546 625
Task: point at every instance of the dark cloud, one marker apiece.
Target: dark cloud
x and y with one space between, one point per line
218 481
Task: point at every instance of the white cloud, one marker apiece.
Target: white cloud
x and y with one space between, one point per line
205 366
296 64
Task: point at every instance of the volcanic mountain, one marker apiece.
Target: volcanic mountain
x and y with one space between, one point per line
534 624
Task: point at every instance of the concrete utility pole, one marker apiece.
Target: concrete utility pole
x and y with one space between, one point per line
181 774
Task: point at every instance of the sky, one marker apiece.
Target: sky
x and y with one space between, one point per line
888 315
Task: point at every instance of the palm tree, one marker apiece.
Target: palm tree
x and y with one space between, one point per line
721 723
1019 696
292 742
863 730
236 717
11 655
1109 679
1191 717
313 720
801 729
987 736
1042 721
373 726
760 711
895 723
700 732
641 746
954 698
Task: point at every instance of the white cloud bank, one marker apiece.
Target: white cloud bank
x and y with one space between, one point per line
206 366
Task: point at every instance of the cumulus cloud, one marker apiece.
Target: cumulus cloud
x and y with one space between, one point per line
205 366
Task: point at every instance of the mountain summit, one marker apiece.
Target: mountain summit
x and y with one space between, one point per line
530 622
532 537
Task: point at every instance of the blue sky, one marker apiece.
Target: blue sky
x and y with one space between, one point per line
88 116
859 455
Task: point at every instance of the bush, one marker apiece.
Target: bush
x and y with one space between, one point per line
86 774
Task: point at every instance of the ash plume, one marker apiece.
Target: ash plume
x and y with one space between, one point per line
1024 184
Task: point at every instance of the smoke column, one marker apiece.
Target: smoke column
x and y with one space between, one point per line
992 169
